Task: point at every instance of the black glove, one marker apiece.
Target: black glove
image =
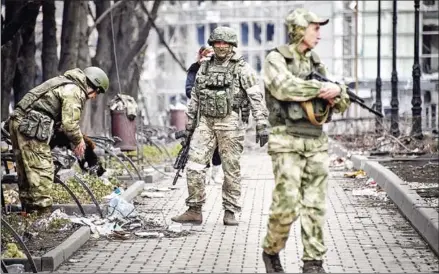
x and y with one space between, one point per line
261 134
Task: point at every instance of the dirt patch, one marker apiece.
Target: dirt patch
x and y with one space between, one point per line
38 233
422 176
414 161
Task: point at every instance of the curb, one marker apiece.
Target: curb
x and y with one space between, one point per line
55 257
425 220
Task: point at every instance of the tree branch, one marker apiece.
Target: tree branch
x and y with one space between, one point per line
143 35
26 14
162 39
105 13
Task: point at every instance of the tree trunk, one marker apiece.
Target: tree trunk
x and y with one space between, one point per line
70 35
23 14
83 50
49 55
93 120
131 33
84 61
9 53
9 63
26 65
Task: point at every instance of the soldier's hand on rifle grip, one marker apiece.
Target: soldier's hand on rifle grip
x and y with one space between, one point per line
329 91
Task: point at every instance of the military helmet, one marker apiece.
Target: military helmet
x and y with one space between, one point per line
224 34
98 79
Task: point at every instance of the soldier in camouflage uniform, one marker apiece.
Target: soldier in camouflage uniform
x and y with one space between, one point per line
298 108
58 101
224 85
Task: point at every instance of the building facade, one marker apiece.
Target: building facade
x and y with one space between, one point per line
186 25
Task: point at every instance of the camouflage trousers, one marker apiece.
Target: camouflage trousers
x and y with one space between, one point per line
301 187
34 166
203 143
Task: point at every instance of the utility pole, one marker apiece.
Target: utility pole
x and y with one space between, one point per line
394 119
378 103
416 99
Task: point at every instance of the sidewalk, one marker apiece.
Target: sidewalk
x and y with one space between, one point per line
362 234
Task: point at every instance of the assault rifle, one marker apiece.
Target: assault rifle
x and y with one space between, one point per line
183 154
352 96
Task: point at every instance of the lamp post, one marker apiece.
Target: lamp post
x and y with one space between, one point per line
378 103
416 99
394 119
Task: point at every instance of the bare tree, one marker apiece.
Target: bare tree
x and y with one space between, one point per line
69 35
49 56
130 34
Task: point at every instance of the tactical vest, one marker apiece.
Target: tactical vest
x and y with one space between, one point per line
216 88
31 101
303 119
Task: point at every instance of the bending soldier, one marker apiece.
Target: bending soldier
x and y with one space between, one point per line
59 100
222 86
298 108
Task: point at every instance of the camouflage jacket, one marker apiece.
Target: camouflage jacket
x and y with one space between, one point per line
65 104
248 84
286 83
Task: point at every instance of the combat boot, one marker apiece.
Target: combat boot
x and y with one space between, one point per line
229 218
272 263
192 215
313 266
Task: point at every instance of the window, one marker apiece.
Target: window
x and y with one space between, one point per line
430 47
244 34
257 32
258 63
212 26
270 32
200 34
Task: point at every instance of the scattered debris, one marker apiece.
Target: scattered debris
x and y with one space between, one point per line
356 174
148 194
146 234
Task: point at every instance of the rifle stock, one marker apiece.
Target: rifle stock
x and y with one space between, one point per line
352 96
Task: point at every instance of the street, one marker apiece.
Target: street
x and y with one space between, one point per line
363 234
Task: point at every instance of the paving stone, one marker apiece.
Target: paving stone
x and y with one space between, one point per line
361 236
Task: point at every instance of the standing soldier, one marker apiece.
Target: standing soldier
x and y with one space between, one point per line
59 100
222 86
298 108
204 53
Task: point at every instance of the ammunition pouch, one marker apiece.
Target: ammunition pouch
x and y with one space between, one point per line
215 103
36 125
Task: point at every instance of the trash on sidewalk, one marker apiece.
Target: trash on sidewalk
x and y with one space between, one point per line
370 192
148 194
336 161
371 182
124 102
146 234
356 174
119 208
157 189
175 227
